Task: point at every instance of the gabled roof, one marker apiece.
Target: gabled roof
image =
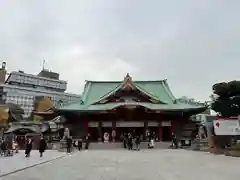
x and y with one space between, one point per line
97 90
151 106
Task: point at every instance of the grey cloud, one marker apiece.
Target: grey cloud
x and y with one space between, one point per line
188 42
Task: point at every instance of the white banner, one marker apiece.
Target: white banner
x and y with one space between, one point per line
227 127
130 124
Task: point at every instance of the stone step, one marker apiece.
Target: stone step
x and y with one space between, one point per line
119 145
116 145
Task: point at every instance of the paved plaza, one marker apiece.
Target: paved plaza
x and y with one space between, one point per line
18 161
156 164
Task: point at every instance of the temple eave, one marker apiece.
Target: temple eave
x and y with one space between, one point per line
194 110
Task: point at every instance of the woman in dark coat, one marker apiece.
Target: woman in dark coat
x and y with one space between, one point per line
28 147
79 146
86 142
137 143
42 146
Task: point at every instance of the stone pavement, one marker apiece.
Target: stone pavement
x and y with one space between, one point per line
19 162
156 164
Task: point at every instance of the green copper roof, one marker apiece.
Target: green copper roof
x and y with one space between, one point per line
97 90
109 106
94 91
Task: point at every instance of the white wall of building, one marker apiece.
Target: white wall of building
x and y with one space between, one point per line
25 97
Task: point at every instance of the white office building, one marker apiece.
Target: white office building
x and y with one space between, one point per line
23 89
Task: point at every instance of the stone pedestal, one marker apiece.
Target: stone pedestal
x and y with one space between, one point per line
63 145
63 141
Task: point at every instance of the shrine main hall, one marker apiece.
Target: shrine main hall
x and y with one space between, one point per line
118 107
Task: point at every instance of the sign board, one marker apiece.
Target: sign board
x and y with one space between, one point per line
227 127
130 124
92 124
166 123
106 124
153 124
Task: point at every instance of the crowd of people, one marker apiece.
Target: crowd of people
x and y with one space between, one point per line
42 145
8 146
131 141
78 144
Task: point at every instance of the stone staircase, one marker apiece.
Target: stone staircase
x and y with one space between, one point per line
115 145
198 144
119 145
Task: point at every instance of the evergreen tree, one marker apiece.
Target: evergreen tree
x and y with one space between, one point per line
227 98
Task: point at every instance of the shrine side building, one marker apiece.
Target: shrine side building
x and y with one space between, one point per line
119 107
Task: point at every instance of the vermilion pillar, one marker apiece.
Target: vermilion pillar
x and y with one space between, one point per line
100 137
114 131
160 131
145 130
171 128
85 127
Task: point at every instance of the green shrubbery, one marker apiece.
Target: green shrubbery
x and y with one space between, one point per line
235 147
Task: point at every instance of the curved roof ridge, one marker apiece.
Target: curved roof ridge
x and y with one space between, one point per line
139 88
86 91
149 94
119 81
111 91
168 90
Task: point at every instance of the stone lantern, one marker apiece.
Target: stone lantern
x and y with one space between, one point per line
63 141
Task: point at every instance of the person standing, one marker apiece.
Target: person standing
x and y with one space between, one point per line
86 142
69 144
28 147
15 146
42 145
174 141
130 145
79 146
138 143
125 140
3 147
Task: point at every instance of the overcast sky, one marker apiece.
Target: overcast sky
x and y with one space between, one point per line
193 44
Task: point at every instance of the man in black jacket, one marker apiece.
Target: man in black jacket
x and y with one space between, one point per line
69 144
79 145
28 147
42 145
